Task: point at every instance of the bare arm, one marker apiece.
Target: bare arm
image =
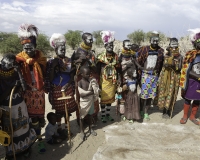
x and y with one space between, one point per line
138 65
88 93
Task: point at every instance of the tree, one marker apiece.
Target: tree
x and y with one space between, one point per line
97 36
137 36
10 43
43 43
73 38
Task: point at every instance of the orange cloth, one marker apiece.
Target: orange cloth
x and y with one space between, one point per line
38 60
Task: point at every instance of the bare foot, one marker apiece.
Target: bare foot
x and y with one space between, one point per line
93 132
82 136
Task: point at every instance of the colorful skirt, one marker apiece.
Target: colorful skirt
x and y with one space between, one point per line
193 89
108 90
149 85
168 89
59 105
35 101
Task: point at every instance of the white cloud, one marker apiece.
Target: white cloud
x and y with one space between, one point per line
124 17
19 4
7 25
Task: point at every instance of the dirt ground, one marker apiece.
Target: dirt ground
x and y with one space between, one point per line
85 150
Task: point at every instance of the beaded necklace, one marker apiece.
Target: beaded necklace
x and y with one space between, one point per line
152 48
85 47
6 73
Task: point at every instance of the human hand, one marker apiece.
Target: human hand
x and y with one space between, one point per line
124 87
141 68
80 59
30 61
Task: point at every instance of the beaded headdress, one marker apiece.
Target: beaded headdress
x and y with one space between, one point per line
27 33
107 36
56 40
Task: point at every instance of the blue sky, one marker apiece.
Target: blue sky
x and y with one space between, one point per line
172 17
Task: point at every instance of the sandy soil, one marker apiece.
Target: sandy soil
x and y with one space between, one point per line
85 150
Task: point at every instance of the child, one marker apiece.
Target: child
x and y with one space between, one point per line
51 132
89 93
132 105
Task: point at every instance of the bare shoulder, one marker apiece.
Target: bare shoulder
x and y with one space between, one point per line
80 83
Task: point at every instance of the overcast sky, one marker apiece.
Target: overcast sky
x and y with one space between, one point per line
172 17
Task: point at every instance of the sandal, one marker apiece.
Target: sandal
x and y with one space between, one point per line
93 132
195 121
183 120
82 136
146 117
41 148
131 121
103 119
124 118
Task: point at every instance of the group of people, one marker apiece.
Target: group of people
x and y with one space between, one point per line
87 82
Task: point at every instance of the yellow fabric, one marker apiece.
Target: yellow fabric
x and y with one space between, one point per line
167 74
36 61
104 59
126 52
108 91
42 60
3 136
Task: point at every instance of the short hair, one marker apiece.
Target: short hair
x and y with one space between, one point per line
50 115
83 68
84 35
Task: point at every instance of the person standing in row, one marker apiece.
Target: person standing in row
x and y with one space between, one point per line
168 84
59 78
109 69
190 79
151 59
33 66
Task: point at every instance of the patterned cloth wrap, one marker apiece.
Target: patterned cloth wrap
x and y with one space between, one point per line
149 84
39 66
189 85
108 83
187 64
23 135
168 86
34 95
61 78
35 101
